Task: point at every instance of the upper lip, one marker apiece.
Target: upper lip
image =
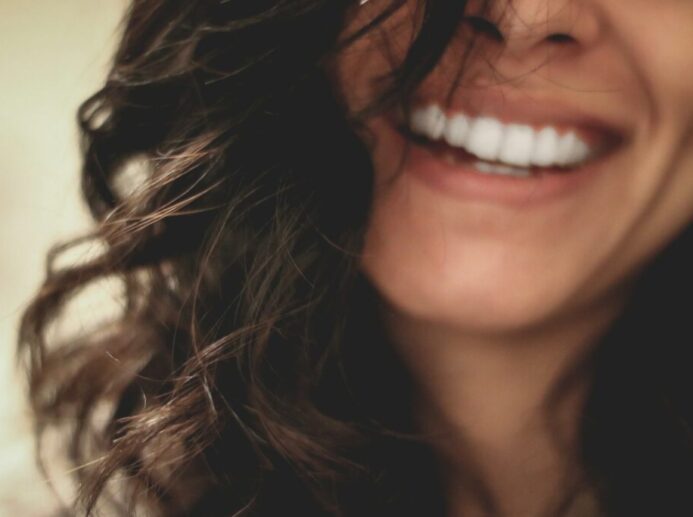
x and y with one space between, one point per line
533 109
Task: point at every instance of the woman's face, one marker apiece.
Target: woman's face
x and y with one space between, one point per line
589 101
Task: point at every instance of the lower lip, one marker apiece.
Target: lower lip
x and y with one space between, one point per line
463 181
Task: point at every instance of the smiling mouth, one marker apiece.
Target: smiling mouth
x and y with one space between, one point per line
513 149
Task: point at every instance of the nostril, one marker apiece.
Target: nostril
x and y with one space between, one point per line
483 26
560 37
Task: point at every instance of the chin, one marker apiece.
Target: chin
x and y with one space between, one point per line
472 301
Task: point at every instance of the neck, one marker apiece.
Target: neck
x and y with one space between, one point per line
490 405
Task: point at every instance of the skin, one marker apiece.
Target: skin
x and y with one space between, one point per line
491 303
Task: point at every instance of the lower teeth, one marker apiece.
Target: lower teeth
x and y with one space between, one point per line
485 167
505 170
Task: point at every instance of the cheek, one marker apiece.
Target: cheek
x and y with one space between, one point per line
660 53
359 70
656 38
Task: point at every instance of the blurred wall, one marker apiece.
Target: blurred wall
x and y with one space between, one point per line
53 54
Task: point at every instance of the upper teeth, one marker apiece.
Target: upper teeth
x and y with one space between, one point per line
489 139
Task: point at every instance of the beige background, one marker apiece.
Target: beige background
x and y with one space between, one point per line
53 54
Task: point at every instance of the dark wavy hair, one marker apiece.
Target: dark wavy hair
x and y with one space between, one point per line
246 372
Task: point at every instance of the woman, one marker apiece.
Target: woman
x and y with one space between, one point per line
413 257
